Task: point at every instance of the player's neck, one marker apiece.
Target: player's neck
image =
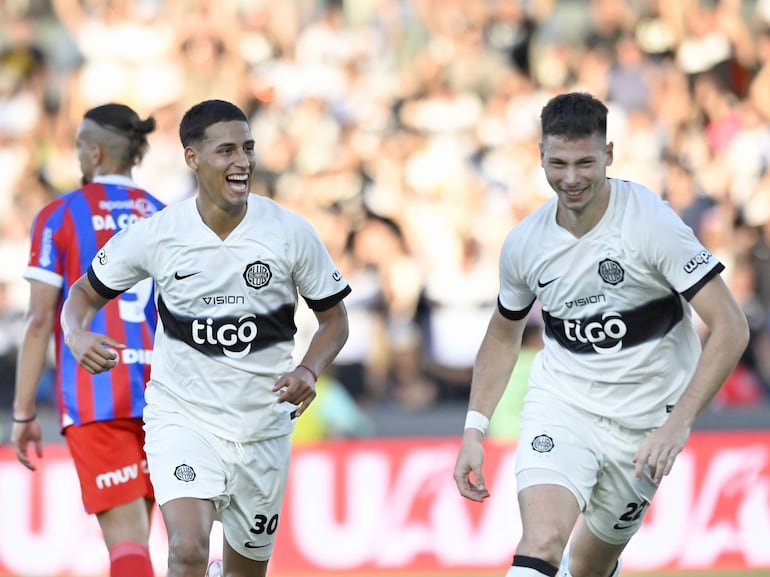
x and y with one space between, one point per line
111 169
581 221
221 221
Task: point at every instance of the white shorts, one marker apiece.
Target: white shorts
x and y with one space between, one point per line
592 457
245 481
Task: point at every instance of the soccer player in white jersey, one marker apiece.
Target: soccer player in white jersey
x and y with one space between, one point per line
223 391
621 378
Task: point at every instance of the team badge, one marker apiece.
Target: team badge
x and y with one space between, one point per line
542 443
611 271
184 473
257 274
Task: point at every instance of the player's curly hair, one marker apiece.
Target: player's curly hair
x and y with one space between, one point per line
574 115
197 119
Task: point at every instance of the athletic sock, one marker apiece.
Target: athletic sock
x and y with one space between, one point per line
130 559
564 567
524 566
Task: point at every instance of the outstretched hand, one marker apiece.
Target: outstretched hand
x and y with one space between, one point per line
95 352
296 387
470 461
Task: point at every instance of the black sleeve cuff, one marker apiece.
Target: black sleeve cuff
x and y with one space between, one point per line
100 287
328 302
693 290
514 315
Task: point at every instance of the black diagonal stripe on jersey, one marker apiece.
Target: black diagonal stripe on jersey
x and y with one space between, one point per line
224 335
594 334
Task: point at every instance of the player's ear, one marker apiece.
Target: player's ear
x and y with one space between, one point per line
610 153
97 153
191 157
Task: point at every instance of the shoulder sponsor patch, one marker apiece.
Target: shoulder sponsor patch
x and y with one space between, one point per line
703 257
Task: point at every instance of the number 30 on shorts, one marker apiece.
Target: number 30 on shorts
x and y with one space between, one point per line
264 525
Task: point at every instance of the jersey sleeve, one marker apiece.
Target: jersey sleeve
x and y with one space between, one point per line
122 261
515 298
677 253
318 280
48 245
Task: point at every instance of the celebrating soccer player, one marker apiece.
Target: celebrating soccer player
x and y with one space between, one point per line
621 378
224 390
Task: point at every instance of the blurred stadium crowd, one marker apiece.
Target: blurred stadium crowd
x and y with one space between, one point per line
407 132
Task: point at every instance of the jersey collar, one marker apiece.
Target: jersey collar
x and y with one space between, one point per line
115 179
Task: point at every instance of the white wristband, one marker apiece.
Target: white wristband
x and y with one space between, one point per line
475 420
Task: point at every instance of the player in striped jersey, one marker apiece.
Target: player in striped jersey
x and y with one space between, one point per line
621 378
101 415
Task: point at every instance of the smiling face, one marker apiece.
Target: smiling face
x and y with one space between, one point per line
576 169
224 161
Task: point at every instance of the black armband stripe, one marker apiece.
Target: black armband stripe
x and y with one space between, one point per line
327 303
514 315
693 290
100 287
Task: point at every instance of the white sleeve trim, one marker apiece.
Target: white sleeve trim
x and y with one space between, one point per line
43 275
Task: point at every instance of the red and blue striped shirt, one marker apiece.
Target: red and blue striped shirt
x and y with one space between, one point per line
66 235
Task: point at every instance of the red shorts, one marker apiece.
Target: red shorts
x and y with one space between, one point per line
110 462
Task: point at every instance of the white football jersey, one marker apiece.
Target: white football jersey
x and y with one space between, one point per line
226 310
619 339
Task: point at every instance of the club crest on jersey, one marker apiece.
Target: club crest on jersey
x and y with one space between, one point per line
611 271
184 473
542 443
257 274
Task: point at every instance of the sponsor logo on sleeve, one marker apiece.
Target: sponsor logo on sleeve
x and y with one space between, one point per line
46 247
703 257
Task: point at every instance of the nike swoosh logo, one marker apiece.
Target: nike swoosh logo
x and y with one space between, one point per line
545 284
252 545
178 276
620 527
